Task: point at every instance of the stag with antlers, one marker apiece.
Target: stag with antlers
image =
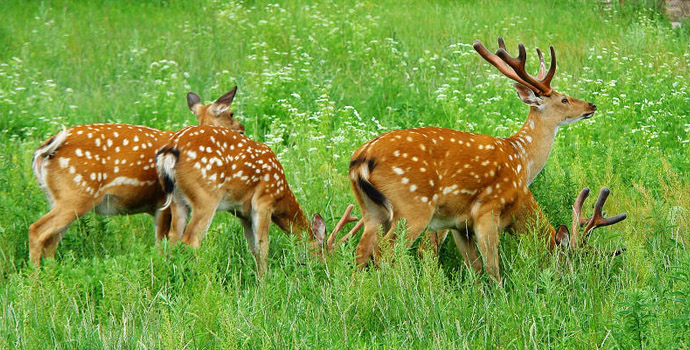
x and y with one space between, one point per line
475 185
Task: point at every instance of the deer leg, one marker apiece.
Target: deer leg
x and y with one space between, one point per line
178 219
367 244
198 225
468 250
47 231
50 245
432 242
162 220
261 220
376 220
249 236
416 218
486 231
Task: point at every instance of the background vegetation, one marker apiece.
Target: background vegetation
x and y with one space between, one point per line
316 80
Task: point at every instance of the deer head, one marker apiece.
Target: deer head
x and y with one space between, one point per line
536 92
576 239
323 244
218 113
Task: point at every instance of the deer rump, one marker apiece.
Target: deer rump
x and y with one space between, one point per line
64 168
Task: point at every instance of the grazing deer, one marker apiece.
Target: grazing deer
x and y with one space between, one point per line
109 168
475 184
213 168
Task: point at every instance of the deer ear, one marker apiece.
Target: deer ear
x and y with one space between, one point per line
318 227
528 96
193 101
223 103
562 238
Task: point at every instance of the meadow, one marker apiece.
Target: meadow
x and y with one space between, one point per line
316 80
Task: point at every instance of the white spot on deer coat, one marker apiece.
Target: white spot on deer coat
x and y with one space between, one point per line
398 170
449 189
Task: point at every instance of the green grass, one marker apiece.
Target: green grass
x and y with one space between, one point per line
315 82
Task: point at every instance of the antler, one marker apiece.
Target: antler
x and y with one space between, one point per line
514 67
597 219
328 245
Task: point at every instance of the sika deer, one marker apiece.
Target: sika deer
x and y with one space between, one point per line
213 168
478 184
109 168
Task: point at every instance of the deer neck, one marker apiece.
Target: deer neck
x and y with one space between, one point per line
290 217
534 142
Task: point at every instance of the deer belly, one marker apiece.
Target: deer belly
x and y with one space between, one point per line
119 198
231 205
112 205
440 222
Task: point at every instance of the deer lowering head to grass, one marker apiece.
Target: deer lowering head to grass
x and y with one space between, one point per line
209 169
109 168
475 185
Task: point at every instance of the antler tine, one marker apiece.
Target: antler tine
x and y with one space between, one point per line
500 64
598 220
596 217
577 207
542 65
330 243
598 207
501 43
614 253
518 64
354 230
552 69
578 221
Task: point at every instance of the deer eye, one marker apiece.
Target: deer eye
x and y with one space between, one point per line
564 100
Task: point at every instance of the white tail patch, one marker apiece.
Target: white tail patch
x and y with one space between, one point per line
165 165
38 164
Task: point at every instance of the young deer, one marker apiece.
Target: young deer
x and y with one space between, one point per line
109 167
478 184
213 168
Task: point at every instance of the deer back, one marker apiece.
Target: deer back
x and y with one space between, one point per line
99 159
238 172
462 175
